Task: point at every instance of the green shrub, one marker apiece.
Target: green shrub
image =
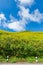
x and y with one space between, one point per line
20 46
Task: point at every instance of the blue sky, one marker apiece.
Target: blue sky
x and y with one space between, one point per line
21 15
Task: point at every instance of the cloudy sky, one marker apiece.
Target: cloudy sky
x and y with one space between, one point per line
21 15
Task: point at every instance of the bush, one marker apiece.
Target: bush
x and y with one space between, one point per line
15 45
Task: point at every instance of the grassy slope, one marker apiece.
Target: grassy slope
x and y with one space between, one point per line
23 35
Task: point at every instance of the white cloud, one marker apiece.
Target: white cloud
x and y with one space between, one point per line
35 16
26 17
20 25
3 20
2 17
23 13
25 2
17 25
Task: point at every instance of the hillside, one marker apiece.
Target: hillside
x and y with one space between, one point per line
23 35
21 44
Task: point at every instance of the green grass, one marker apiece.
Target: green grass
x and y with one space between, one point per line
24 35
14 59
33 59
40 60
35 39
2 59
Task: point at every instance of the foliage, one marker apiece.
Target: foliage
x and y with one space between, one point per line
21 44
